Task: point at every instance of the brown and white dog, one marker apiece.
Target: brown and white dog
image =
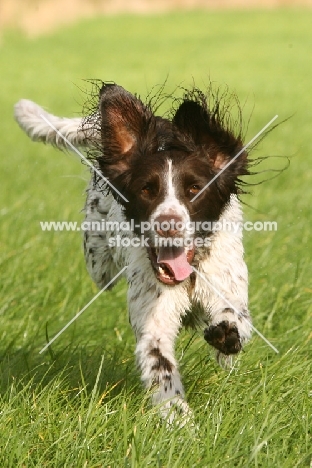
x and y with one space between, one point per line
178 183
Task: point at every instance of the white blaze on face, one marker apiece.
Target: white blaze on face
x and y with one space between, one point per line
170 186
171 206
175 258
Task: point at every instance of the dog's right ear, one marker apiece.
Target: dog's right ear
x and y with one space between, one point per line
123 121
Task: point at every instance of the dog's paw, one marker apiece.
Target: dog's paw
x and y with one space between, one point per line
177 413
224 337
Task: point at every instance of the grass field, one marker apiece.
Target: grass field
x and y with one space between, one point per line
80 404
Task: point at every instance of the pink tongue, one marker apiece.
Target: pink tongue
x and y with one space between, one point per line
175 259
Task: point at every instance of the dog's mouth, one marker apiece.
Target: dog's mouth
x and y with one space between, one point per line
171 264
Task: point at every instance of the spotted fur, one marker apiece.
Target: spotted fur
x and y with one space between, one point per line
159 164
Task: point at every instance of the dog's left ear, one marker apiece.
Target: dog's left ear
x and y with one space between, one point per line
123 121
207 131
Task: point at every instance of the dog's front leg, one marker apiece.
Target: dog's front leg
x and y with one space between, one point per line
222 288
155 315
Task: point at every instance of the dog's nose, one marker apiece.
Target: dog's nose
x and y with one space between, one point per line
168 225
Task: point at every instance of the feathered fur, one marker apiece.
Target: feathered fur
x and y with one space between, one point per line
159 164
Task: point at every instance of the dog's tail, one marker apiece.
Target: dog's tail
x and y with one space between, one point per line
58 131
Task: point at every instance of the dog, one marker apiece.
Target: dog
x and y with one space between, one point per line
169 181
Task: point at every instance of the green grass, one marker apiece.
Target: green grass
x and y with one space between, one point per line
81 404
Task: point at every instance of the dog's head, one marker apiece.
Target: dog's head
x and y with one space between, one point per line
161 164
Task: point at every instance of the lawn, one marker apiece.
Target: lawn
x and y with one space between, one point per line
80 403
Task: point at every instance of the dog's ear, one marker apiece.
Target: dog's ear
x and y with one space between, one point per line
207 131
123 120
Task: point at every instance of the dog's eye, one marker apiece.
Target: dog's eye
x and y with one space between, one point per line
146 190
194 189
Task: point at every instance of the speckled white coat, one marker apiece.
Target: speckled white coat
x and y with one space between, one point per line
219 285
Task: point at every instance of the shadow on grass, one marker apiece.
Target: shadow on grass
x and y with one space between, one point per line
77 366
